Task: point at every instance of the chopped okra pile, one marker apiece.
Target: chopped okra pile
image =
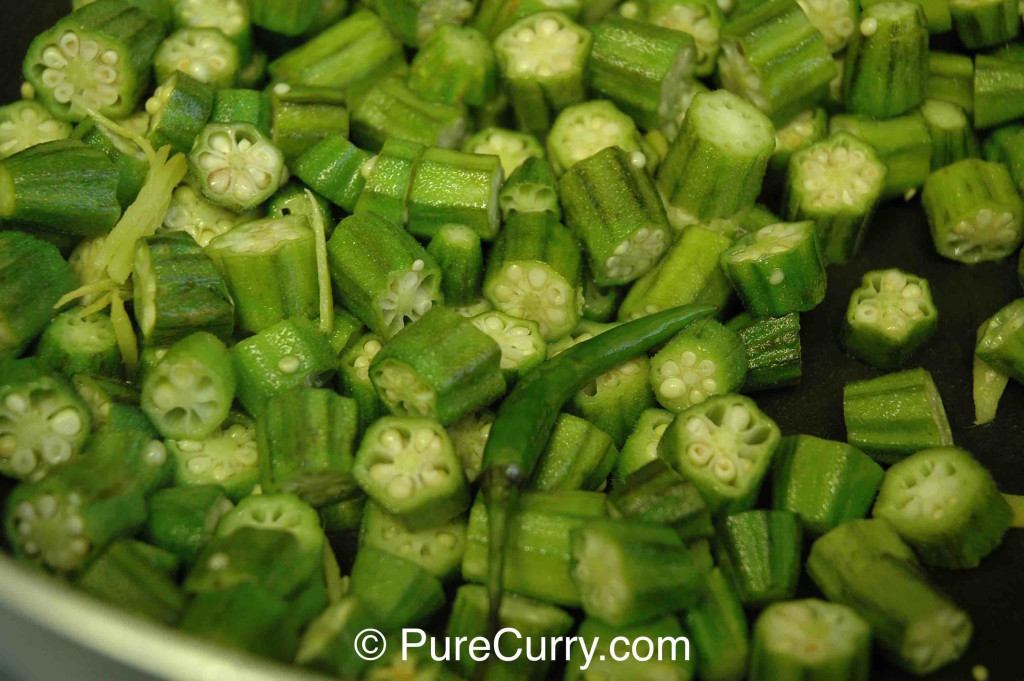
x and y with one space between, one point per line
319 316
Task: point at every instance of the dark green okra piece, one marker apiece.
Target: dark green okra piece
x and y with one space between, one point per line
1001 344
1006 145
182 520
441 367
332 168
342 518
985 23
759 552
865 565
414 22
302 115
242 106
459 254
579 455
600 303
703 360
451 186
641 447
988 385
581 130
96 58
953 139
388 178
407 465
395 287
946 506
281 512
901 143
354 378
521 344
228 458
25 124
236 166
614 210
397 592
889 318
719 631
774 353
73 344
974 210
128 159
113 404
438 549
292 199
455 66
33 277
886 67
895 415
701 19
655 493
951 79
178 109
530 188
825 483
285 17
244 617
205 54
391 109
124 577
724 446
511 146
998 86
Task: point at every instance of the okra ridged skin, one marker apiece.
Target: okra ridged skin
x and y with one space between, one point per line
946 506
890 316
243 617
579 455
667 666
641 67
71 78
179 109
537 548
719 631
886 67
825 483
951 79
613 208
901 143
332 169
655 493
953 139
774 352
178 291
391 109
286 17
998 90
895 415
1002 343
459 254
125 576
132 166
773 57
716 164
974 211
389 177
33 277
701 361
182 519
759 552
397 591
455 66
301 116
450 186
442 367
985 23
64 186
865 565
241 105
810 640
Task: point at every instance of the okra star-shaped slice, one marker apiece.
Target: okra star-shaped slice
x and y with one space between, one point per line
27 123
809 635
889 317
206 54
236 166
705 359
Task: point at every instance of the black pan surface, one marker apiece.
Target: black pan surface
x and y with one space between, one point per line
965 296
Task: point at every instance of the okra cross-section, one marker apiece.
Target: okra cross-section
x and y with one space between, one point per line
582 130
228 457
703 360
206 54
510 146
442 367
724 446
26 123
407 465
191 213
236 166
522 346
438 549
889 317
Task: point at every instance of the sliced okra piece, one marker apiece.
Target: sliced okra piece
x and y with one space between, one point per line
754 218
408 466
438 549
306 439
836 183
332 168
810 638
388 180
641 447
281 512
522 346
73 344
600 303
778 269
774 353
582 130
182 519
719 631
837 21
469 437
953 139
124 577
1006 145
284 17
886 67
688 273
825 483
397 287
901 143
801 131
701 19
442 367
113 404
984 23
610 660
988 385
43 422
188 394
450 186
178 109
343 518
191 213
269 267
759 552
240 105
26 123
236 166
716 164
936 13
391 109
541 59
397 591
455 66
655 493
292 200
64 186
613 208
530 188
865 565
703 360
889 318
96 58
459 255
951 79
1002 343
228 457
414 22
895 415
350 55
494 16
33 277
946 506
974 211
301 116
512 147
579 455
532 620
533 273
354 376
231 17
629 572
724 446
776 59
538 554
643 68
288 354
178 290
205 54
473 308
998 86
243 617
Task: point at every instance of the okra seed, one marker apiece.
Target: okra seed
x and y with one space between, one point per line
289 364
156 453
696 396
79 547
30 548
23 461
75 525
670 368
400 487
16 403
46 505
869 26
672 388
699 454
218 561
